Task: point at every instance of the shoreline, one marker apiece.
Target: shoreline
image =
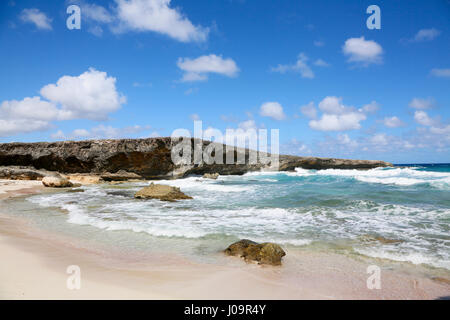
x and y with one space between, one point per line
35 262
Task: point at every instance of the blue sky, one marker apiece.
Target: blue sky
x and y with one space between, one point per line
312 69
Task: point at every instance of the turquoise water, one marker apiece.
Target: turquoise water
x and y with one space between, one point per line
335 209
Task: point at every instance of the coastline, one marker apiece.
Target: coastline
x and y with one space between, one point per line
31 255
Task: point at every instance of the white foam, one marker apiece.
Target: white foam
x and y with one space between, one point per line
415 258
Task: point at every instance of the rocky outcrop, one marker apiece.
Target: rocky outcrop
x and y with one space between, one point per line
23 173
56 182
213 176
148 158
161 192
264 253
120 175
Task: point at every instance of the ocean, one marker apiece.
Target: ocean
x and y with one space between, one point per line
399 214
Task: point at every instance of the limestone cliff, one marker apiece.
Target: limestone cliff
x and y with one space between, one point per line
149 158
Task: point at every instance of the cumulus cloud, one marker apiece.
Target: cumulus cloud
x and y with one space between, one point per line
36 17
309 110
301 66
424 119
91 95
441 73
273 110
393 122
337 117
199 68
158 16
426 35
362 52
419 103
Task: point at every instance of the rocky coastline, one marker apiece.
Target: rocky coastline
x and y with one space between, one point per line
126 159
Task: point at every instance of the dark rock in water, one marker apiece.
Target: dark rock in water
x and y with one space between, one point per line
75 190
161 192
149 158
120 175
264 253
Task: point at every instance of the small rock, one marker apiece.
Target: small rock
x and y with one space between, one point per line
56 182
161 192
213 176
264 253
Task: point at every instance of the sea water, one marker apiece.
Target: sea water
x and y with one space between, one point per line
339 210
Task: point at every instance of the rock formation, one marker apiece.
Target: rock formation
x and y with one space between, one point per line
56 182
147 158
264 253
161 192
213 176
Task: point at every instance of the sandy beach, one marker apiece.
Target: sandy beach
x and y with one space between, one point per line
34 264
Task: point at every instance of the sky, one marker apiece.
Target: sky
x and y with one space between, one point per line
311 69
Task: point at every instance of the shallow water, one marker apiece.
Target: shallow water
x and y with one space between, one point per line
339 210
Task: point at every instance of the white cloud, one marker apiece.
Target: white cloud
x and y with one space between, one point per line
199 68
370 107
443 130
424 119
344 139
336 116
15 126
158 16
393 122
91 95
419 103
321 63
426 35
363 52
30 108
95 13
334 122
273 110
332 105
309 110
301 66
442 73
38 18
379 139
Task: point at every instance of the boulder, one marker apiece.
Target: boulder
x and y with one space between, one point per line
56 182
121 175
263 253
22 173
161 192
213 176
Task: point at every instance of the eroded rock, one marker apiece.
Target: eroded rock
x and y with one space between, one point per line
263 253
56 182
213 176
161 192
